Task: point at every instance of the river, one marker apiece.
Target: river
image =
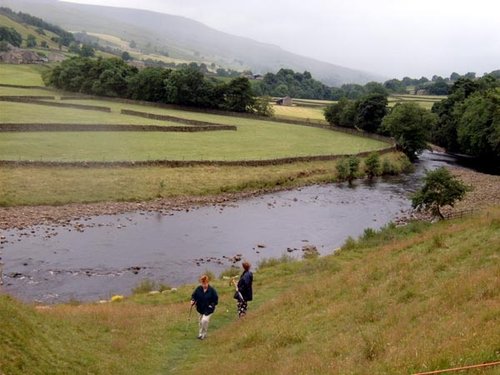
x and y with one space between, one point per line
95 258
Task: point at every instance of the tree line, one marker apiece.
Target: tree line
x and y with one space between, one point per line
467 121
286 82
63 37
187 86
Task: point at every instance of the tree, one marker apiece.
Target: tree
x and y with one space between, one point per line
126 56
347 168
31 41
452 110
372 165
342 113
371 109
189 87
440 189
376 88
410 125
263 107
74 47
395 85
4 46
439 87
87 51
238 96
148 84
454 76
478 130
132 44
10 35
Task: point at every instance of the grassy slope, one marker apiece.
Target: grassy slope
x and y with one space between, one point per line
406 300
25 30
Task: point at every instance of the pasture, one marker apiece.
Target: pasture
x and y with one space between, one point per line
254 139
24 75
298 111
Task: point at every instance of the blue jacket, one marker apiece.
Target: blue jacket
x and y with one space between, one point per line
245 285
205 301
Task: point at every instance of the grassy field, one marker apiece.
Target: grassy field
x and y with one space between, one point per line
25 75
254 139
300 112
425 101
419 298
57 186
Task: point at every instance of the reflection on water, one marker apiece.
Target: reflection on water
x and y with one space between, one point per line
111 254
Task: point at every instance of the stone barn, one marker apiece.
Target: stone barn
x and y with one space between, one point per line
284 101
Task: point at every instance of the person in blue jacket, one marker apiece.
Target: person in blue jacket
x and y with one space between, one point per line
244 292
205 298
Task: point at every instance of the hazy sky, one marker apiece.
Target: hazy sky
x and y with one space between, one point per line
389 37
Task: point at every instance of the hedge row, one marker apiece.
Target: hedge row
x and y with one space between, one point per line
155 116
24 99
33 127
182 163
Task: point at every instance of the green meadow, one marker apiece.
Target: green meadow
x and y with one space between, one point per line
24 75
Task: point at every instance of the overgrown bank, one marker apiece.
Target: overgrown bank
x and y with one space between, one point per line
418 298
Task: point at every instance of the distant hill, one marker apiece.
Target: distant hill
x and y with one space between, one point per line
185 39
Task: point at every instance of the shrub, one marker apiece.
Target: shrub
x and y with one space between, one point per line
388 168
145 286
347 168
372 165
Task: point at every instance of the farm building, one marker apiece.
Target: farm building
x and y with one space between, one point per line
284 101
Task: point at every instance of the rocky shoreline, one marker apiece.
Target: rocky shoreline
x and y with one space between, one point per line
485 193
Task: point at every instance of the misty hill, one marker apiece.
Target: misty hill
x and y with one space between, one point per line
184 38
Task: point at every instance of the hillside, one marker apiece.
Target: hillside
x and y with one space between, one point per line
184 39
417 298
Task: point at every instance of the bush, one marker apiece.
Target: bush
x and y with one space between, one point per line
145 286
388 168
372 165
347 168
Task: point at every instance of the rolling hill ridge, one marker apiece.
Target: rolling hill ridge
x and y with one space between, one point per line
185 39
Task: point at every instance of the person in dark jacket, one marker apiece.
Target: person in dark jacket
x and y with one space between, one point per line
244 292
205 298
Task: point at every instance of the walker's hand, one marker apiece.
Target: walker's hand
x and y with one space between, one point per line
192 303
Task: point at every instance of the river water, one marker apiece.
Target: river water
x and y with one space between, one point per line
100 256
